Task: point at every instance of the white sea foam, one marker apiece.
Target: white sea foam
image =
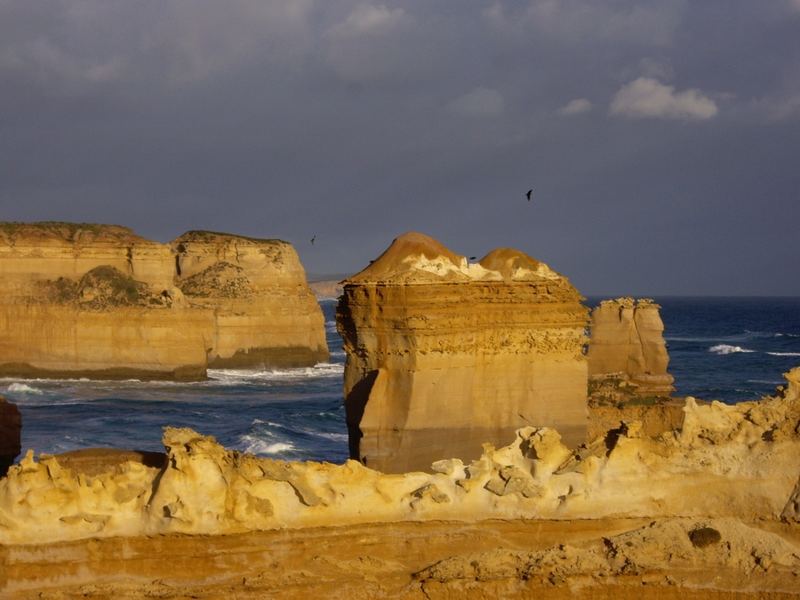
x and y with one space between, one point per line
728 349
330 326
784 353
251 444
241 377
23 388
336 437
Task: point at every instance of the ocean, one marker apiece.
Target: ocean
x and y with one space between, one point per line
729 349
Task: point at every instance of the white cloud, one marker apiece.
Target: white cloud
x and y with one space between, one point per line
480 102
370 20
648 98
575 107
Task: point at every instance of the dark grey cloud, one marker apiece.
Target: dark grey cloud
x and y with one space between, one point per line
660 136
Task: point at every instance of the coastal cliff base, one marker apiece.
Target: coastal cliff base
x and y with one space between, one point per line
603 558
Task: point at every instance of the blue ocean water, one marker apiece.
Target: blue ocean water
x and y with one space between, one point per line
730 349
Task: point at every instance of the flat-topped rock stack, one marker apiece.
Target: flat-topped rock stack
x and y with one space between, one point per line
83 300
627 353
444 355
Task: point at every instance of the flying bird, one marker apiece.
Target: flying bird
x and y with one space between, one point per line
473 257
313 239
528 195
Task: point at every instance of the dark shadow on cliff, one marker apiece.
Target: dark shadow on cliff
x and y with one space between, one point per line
354 406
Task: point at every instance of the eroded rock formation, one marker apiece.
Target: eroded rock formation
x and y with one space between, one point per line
627 353
10 430
100 301
443 355
727 461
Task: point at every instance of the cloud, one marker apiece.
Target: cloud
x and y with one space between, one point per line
367 19
648 98
374 43
480 102
75 43
647 22
575 107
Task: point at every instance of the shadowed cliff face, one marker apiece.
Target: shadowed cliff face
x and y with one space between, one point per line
100 301
10 426
443 355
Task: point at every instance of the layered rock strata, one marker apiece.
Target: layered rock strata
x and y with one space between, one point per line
100 301
627 353
443 355
10 430
737 461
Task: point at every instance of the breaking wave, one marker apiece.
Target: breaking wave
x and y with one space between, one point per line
784 353
22 388
239 377
728 349
251 444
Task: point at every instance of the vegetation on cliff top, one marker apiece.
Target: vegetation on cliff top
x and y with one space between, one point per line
102 287
64 230
200 235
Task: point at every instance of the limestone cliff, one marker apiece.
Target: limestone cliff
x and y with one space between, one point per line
443 354
727 461
627 353
10 427
264 311
100 301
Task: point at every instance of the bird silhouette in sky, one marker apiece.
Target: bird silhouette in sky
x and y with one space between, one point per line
528 195
313 239
473 257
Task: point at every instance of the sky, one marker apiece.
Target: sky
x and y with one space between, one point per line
661 137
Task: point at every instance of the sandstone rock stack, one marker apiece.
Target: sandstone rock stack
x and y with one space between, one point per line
627 353
10 429
100 301
444 355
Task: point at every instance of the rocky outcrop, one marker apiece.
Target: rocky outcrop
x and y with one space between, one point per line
10 430
727 461
99 301
443 354
264 311
627 353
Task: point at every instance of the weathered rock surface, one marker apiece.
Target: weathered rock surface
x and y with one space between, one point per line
627 353
100 301
10 429
443 355
737 461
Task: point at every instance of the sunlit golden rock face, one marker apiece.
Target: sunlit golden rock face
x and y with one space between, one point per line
737 461
627 348
100 301
444 354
